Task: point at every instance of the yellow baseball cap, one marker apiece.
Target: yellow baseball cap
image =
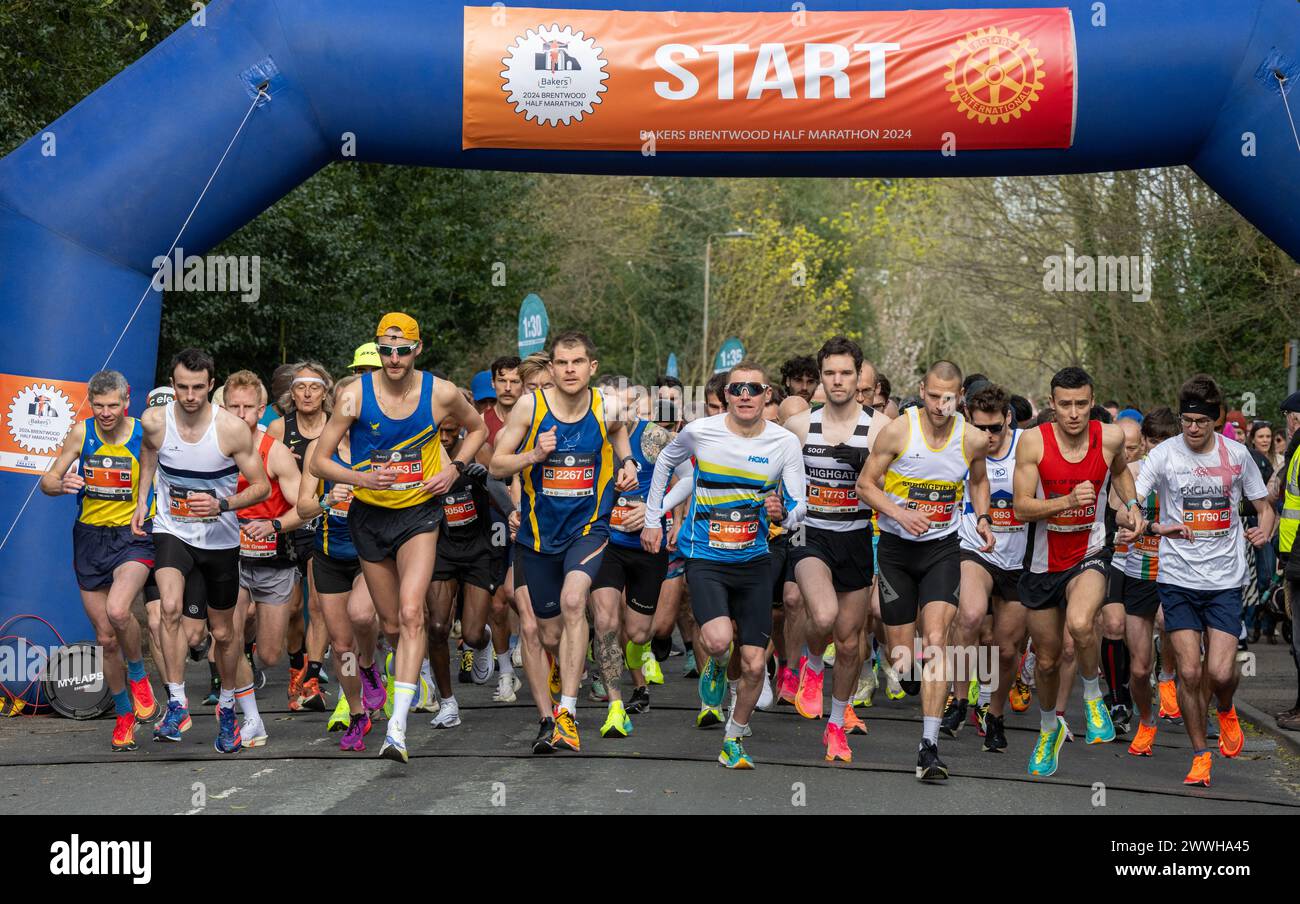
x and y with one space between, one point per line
409 328
366 356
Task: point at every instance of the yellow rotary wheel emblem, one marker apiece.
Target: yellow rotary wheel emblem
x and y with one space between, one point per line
994 75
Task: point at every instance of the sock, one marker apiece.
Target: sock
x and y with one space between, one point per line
313 670
177 692
450 700
815 663
662 646
1166 676
1197 751
1092 687
1114 663
226 699
735 729
633 654
296 659
569 703
1219 707
135 670
122 703
505 664
837 711
403 694
986 694
930 728
247 701
1047 719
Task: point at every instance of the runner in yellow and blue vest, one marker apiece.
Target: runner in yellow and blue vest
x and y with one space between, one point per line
1289 490
571 451
398 473
100 463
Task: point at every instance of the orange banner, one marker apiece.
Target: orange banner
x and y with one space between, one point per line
35 415
949 80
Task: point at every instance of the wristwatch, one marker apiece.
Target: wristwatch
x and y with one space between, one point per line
985 517
459 466
277 526
223 505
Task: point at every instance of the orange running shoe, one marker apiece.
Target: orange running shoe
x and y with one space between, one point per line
295 687
808 702
1200 774
787 686
1169 701
124 733
1019 696
1143 741
852 724
837 745
1231 739
142 699
310 696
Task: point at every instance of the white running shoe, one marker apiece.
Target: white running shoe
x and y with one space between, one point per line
517 656
1027 668
485 660
893 689
426 700
395 746
448 715
506 687
867 684
253 733
766 699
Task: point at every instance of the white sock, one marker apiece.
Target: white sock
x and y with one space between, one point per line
226 699
1092 688
986 693
177 692
735 729
837 711
247 701
1164 676
1047 720
403 695
450 700
569 703
504 663
930 728
815 663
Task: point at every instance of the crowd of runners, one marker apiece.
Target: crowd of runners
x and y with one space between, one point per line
951 542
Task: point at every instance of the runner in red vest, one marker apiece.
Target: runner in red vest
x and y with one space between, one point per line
1063 473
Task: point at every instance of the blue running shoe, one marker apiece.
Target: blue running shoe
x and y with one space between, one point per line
174 723
733 755
1101 730
713 684
228 734
1042 762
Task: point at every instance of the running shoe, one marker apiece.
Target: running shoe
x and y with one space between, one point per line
598 692
978 714
650 668
617 724
1121 718
836 744
374 696
713 683
483 663
1019 697
1200 773
465 674
1169 702
853 724
1069 735
995 735
828 657
295 687
1100 729
1028 663
228 737
808 701
766 697
456 630
929 768
639 702
1143 741
566 731
954 715
395 746
143 701
733 755
973 692
893 687
214 693
341 718
545 732
787 683
124 733
868 681
709 716
506 687
517 655
1231 738
389 696
353 738
311 697
1043 761
554 683
174 723
426 701
253 733
448 715
689 668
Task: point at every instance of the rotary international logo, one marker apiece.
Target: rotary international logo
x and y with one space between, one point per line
994 75
554 76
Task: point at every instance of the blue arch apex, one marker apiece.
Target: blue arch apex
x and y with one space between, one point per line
1164 82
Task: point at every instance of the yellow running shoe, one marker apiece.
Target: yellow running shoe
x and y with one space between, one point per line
650 669
555 680
617 724
341 718
566 731
708 717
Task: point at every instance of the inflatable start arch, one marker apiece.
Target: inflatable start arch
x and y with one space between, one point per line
692 87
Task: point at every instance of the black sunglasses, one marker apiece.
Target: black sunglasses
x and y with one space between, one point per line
989 428
754 389
386 351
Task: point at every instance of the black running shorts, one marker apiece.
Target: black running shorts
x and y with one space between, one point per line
1006 582
846 553
916 572
211 575
638 572
333 575
740 591
1047 589
378 532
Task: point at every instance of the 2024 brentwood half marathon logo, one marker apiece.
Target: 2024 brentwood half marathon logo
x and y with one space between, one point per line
554 75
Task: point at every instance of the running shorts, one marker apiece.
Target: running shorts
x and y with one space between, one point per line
211 575
636 571
98 551
1047 589
378 532
844 552
916 572
542 574
740 591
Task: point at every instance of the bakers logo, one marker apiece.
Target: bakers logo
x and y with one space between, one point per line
554 76
994 75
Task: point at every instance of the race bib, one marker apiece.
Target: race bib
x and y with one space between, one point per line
1004 517
178 505
340 509
569 474
1208 515
1073 520
936 501
459 508
1148 544
622 510
736 529
409 464
264 548
829 500
107 477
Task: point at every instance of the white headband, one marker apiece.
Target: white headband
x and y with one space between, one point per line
297 380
